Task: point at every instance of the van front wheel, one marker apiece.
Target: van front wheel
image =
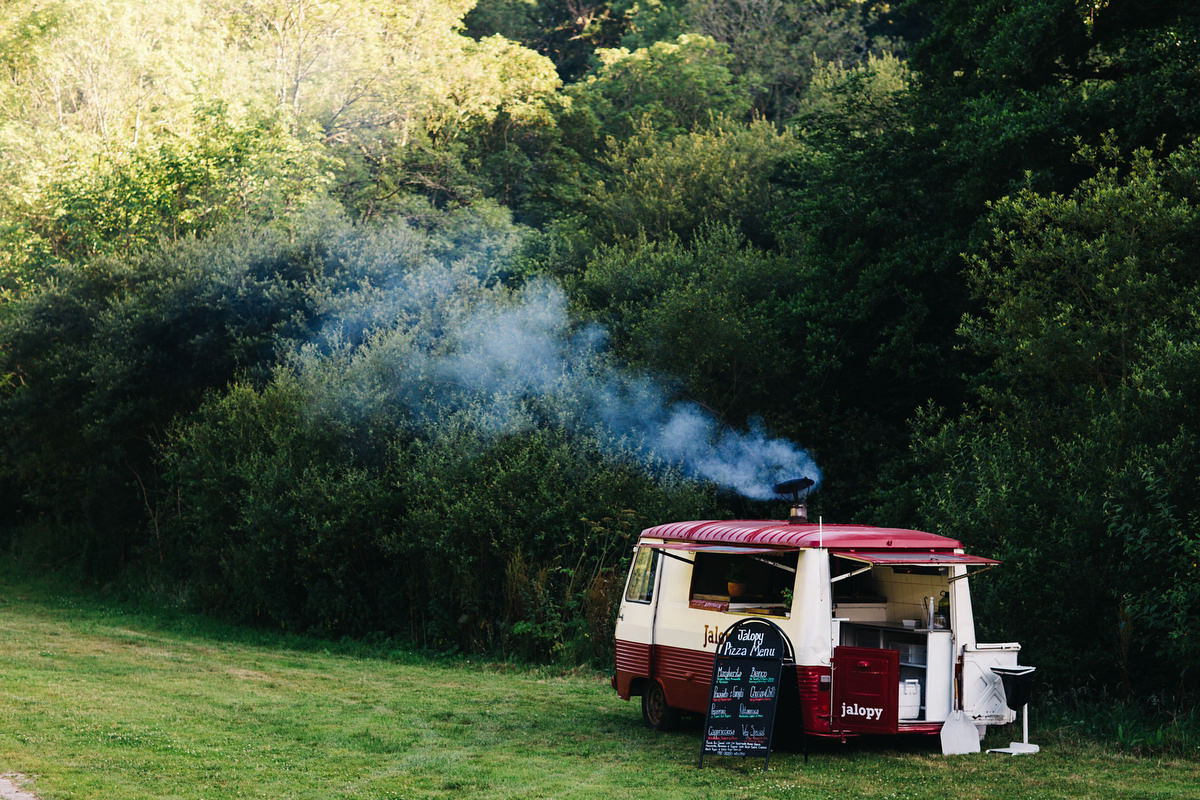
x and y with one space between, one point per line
655 711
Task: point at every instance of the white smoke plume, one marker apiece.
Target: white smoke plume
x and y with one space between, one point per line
519 360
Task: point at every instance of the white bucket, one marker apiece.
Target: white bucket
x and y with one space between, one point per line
910 699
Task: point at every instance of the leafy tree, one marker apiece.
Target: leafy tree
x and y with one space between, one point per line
678 86
869 219
103 75
380 65
1084 420
777 44
706 312
97 363
652 183
868 100
547 166
567 32
426 131
88 84
999 102
650 21
393 94
1011 87
235 169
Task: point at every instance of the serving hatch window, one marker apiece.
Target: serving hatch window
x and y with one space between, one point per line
854 582
752 578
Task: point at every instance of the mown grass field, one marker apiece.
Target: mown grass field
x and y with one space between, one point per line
97 703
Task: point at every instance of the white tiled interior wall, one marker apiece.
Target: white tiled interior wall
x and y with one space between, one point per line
904 593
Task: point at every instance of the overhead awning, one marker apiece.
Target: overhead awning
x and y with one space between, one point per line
668 549
706 547
902 558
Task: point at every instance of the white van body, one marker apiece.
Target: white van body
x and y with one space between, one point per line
879 621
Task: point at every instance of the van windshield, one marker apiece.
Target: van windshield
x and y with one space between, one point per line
641 576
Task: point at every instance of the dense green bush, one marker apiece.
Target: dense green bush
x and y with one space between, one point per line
99 361
302 514
1078 461
426 465
522 543
275 519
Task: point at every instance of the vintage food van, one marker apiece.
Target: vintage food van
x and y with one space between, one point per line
878 620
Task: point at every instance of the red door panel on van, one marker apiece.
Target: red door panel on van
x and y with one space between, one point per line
866 686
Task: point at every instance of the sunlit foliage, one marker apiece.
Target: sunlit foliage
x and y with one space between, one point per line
947 245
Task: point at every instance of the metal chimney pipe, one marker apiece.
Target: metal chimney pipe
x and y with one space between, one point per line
799 512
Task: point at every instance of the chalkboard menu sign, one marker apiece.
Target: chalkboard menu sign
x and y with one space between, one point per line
745 690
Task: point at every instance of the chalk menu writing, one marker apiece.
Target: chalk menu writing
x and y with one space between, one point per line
745 690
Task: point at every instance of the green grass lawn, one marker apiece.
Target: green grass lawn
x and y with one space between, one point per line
99 704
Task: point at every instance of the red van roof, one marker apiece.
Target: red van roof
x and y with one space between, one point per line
783 534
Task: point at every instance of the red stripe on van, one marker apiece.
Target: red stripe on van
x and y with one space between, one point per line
632 662
685 676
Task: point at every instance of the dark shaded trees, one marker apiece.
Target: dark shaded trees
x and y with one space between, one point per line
964 280
1080 446
778 45
895 185
97 364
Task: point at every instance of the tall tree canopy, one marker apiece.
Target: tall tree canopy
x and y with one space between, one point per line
1081 445
947 245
